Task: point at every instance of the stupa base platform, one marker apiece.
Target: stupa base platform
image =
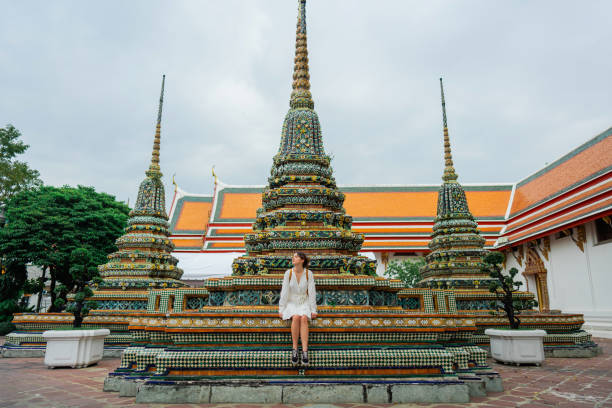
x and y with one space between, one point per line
25 351
451 389
564 338
27 340
581 350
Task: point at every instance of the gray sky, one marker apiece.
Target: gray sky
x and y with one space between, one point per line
525 83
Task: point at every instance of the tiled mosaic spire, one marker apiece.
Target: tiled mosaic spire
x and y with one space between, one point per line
456 245
143 258
301 96
154 168
301 133
449 170
302 206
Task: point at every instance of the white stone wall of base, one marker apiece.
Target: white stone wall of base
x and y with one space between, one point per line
74 348
517 346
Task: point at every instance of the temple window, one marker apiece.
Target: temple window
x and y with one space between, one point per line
603 230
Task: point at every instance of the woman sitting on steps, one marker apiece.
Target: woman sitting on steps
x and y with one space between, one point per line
298 302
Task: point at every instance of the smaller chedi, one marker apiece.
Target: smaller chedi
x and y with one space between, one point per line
456 263
143 260
457 248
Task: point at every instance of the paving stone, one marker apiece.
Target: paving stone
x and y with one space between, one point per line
168 394
320 406
300 394
476 386
129 388
112 384
401 393
378 394
246 394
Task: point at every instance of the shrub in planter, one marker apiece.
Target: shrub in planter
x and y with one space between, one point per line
511 346
504 287
82 271
76 348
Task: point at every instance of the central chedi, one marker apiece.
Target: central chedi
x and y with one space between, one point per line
302 206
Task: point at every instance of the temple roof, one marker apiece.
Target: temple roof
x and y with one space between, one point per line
571 190
391 217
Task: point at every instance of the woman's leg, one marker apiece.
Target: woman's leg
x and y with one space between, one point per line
304 332
295 330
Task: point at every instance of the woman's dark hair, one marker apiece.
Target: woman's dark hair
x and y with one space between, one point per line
304 258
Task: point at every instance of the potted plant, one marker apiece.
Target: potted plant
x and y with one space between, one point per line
514 345
76 348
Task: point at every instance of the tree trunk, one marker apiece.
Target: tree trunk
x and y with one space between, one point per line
78 318
510 312
40 295
52 308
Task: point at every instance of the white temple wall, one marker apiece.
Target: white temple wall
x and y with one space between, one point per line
600 267
569 282
578 282
599 256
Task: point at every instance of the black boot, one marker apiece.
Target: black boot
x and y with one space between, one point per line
294 357
305 361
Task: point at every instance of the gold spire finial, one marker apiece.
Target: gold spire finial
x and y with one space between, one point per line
214 174
449 170
301 96
154 169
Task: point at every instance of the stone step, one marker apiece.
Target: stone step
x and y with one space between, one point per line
423 390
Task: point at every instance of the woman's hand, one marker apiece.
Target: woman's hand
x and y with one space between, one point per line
313 315
280 315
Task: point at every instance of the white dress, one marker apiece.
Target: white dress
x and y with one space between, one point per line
295 299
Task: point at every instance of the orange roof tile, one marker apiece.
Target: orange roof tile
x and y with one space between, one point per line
193 216
573 168
240 205
187 243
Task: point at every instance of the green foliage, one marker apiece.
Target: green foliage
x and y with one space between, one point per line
408 271
6 328
504 287
59 303
33 286
12 280
15 176
45 225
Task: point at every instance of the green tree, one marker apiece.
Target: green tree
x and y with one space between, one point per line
504 287
408 271
12 279
45 225
15 175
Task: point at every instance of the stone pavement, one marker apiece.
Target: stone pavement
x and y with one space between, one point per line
560 382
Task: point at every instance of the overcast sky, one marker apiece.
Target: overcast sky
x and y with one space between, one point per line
525 83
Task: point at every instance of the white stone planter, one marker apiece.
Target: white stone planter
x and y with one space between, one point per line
517 346
74 348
